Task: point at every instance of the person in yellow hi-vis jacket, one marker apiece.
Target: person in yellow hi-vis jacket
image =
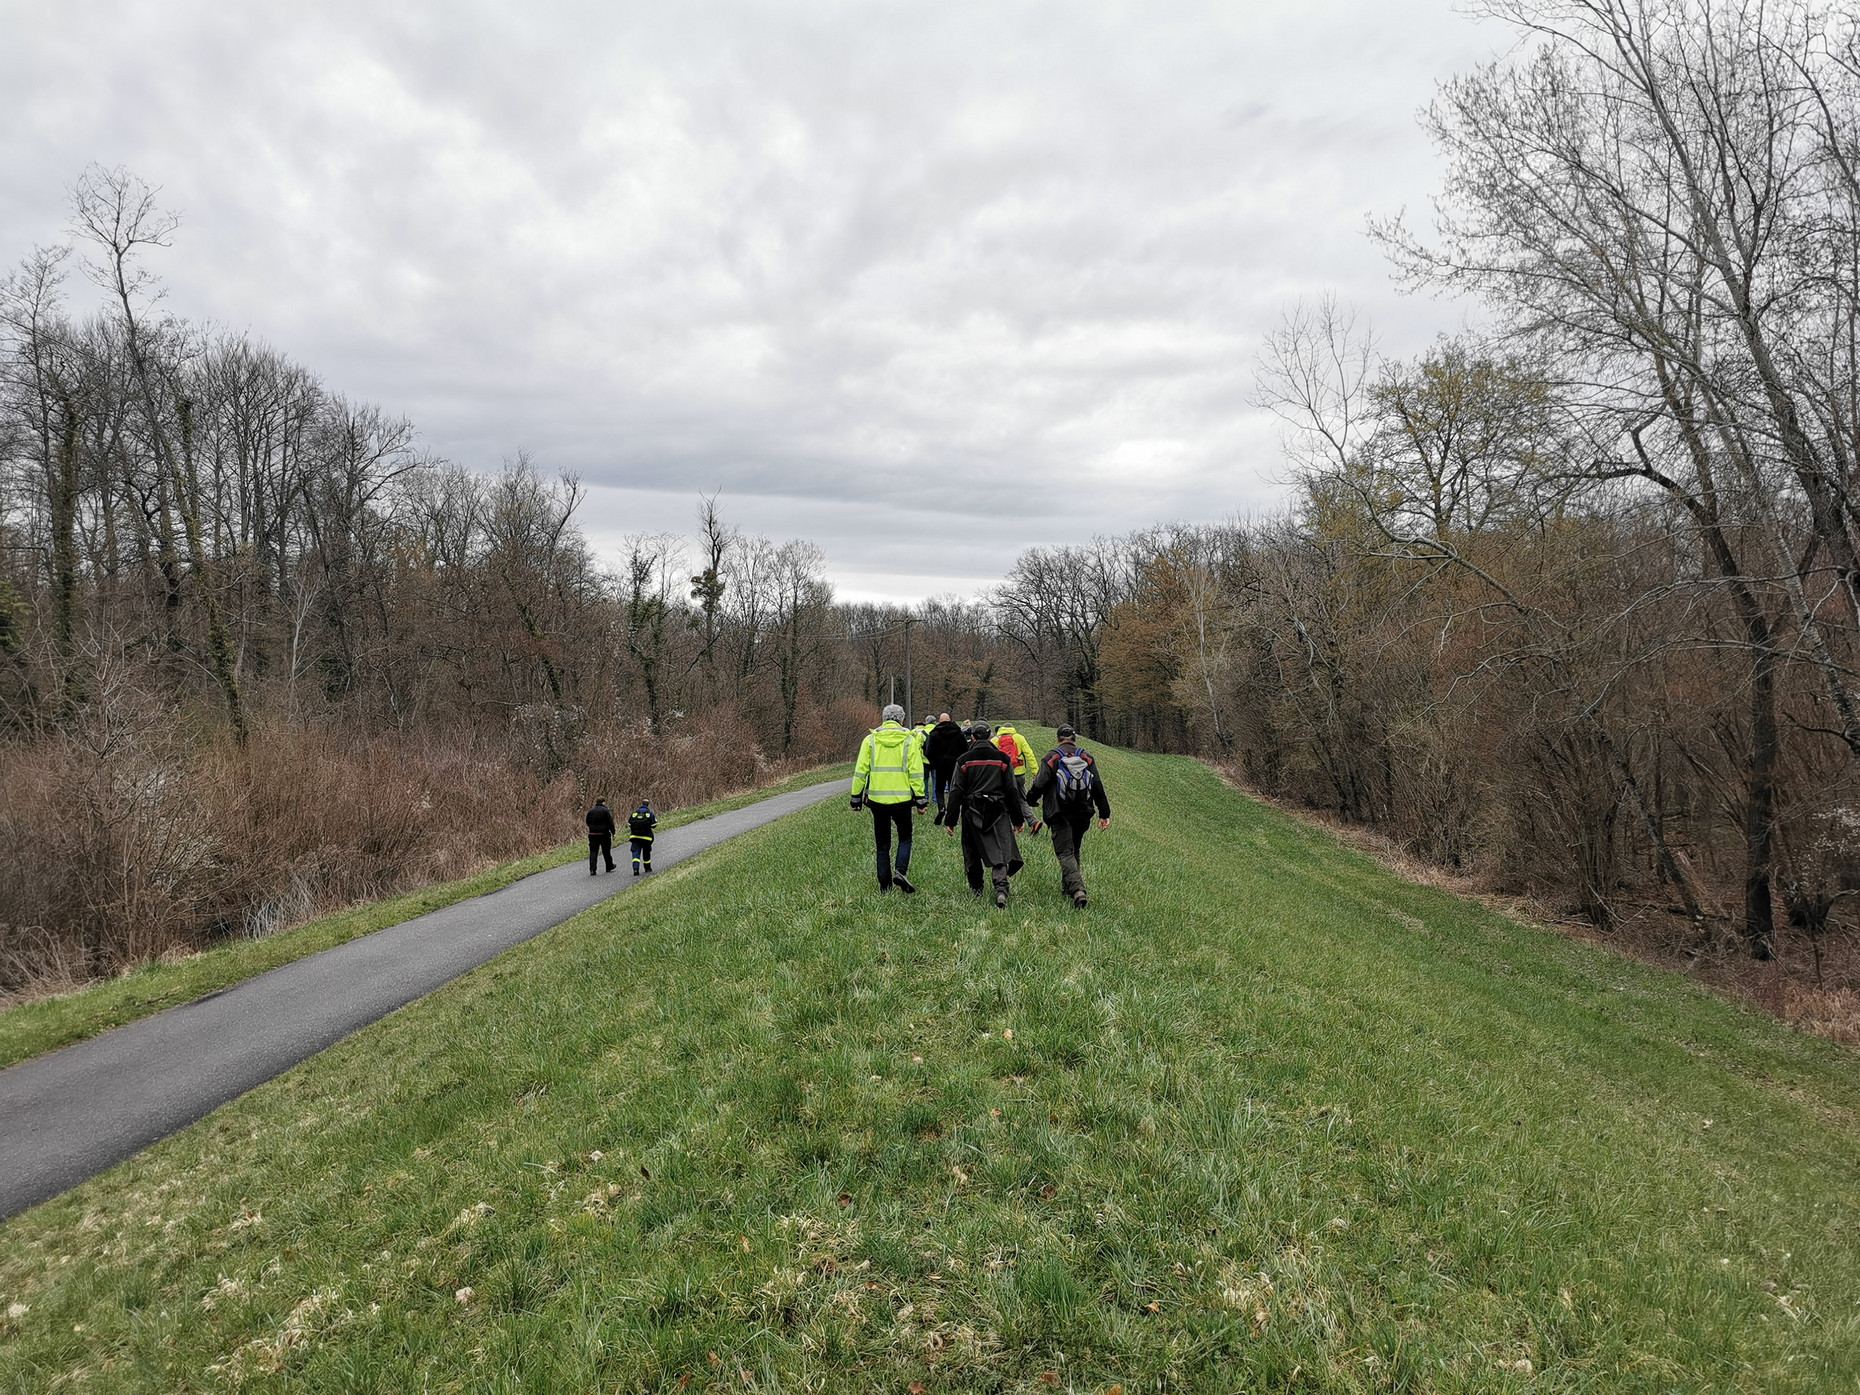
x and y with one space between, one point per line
889 776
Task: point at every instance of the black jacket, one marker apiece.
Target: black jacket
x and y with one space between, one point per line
944 746
984 788
1045 787
601 820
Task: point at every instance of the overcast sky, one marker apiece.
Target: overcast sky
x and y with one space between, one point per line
926 283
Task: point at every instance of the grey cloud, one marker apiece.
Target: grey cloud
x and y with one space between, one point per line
846 261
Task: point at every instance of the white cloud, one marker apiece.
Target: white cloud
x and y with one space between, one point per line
866 267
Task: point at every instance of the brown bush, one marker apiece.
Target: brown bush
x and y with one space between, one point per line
124 840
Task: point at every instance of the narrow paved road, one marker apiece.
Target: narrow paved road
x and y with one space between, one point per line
67 1116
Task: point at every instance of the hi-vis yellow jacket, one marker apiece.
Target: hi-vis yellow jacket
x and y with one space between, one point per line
1026 762
891 766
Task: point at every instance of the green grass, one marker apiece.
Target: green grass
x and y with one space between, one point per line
1269 1119
33 1028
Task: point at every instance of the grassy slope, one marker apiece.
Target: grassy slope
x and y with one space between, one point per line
1269 1119
37 1027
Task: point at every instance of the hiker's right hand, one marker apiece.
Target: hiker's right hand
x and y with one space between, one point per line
950 829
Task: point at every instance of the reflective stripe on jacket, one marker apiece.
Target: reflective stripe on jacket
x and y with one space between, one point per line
891 766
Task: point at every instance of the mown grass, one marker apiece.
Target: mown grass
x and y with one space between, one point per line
32 1028
1268 1119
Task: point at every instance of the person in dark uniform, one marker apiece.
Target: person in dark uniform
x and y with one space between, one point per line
600 836
639 826
984 802
1068 790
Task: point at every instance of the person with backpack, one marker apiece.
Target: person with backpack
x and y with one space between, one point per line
943 747
889 776
600 836
985 803
1018 751
639 826
1068 788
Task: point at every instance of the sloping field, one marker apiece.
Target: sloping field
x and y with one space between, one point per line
1263 1118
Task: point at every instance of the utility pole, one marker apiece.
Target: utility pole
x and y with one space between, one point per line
910 711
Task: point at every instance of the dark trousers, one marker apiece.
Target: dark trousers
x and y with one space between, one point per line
936 785
642 853
884 818
600 845
1068 838
974 860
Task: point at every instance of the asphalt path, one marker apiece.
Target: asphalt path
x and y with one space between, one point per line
68 1115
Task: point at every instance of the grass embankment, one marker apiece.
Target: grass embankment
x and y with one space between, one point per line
32 1028
1268 1119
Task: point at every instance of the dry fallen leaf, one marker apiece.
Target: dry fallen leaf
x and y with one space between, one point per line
745 1244
1052 1118
844 1198
715 1360
1049 1191
1049 1378
1007 1034
1152 1307
917 1387
684 1381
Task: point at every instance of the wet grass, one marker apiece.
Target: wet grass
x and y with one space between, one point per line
1264 1118
32 1028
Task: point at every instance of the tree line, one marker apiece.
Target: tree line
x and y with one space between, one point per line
1573 598
1570 602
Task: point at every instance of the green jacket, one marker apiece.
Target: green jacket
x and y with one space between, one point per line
891 765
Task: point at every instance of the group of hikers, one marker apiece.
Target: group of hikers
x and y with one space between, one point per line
986 784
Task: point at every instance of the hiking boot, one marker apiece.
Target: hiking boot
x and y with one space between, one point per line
903 883
1001 899
1080 900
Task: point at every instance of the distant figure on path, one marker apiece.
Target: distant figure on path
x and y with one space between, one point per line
943 747
985 801
889 776
639 826
600 836
1067 788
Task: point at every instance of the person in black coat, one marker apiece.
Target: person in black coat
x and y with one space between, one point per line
984 801
1069 788
943 747
600 836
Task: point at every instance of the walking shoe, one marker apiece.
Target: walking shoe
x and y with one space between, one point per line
636 871
883 887
1001 900
1080 900
903 883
